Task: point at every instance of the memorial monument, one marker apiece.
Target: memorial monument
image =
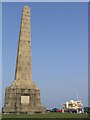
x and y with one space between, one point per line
23 96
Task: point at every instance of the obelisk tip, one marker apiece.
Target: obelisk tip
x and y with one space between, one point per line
26 7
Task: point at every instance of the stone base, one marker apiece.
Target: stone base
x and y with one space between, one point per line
22 100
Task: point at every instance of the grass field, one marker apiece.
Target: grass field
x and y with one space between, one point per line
46 115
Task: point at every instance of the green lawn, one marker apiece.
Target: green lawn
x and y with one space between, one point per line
46 115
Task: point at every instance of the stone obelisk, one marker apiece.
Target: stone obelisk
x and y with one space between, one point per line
23 96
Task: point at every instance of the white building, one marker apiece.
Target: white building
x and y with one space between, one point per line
73 106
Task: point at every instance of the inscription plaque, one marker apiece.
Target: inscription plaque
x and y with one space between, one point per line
25 99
